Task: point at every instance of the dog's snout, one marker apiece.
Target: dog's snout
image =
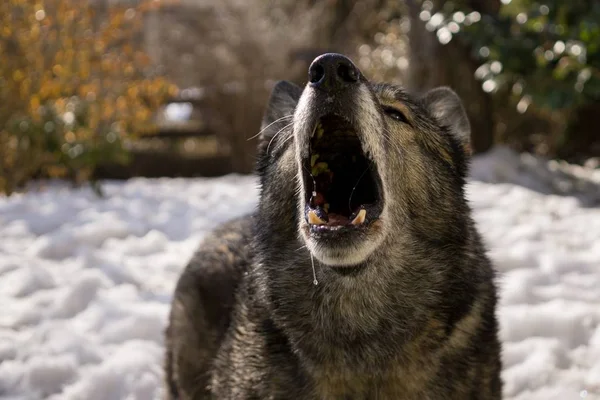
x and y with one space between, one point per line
332 72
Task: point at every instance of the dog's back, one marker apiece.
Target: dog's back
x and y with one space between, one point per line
202 308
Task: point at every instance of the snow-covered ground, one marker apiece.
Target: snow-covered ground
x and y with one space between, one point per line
85 282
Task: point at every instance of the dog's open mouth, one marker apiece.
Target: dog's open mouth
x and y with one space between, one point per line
343 187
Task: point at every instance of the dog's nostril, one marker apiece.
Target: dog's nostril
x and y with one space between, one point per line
316 73
333 72
347 72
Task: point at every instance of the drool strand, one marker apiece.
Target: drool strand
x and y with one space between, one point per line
355 186
312 261
313 193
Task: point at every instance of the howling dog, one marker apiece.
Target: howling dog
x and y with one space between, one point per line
361 274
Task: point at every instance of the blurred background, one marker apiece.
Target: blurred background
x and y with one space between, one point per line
123 88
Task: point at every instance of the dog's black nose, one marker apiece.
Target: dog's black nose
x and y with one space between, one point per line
332 72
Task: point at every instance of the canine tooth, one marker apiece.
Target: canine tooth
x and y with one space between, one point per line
360 217
314 219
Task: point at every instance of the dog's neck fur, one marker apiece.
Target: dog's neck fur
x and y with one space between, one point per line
349 313
352 334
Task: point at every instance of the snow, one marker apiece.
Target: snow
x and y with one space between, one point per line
85 282
178 111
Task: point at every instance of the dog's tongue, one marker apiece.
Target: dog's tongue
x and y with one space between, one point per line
337 219
333 219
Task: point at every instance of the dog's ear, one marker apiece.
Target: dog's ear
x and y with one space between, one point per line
445 105
279 112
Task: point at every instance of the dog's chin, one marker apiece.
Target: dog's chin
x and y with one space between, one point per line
345 253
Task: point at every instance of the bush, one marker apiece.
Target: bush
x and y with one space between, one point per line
73 86
542 60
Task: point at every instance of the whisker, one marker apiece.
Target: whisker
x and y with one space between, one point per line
389 140
355 186
394 147
275 135
283 142
267 127
391 145
286 140
312 261
314 182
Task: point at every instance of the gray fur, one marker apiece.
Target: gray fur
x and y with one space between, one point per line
415 321
445 105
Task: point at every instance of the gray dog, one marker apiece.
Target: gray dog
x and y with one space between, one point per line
361 274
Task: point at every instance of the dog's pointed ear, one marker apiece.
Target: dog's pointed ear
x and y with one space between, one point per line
279 112
445 105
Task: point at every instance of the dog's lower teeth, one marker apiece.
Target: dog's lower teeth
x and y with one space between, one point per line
360 217
314 219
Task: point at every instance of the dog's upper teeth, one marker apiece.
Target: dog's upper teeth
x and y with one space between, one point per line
314 219
360 217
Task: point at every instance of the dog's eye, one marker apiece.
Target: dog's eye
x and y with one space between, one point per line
396 114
